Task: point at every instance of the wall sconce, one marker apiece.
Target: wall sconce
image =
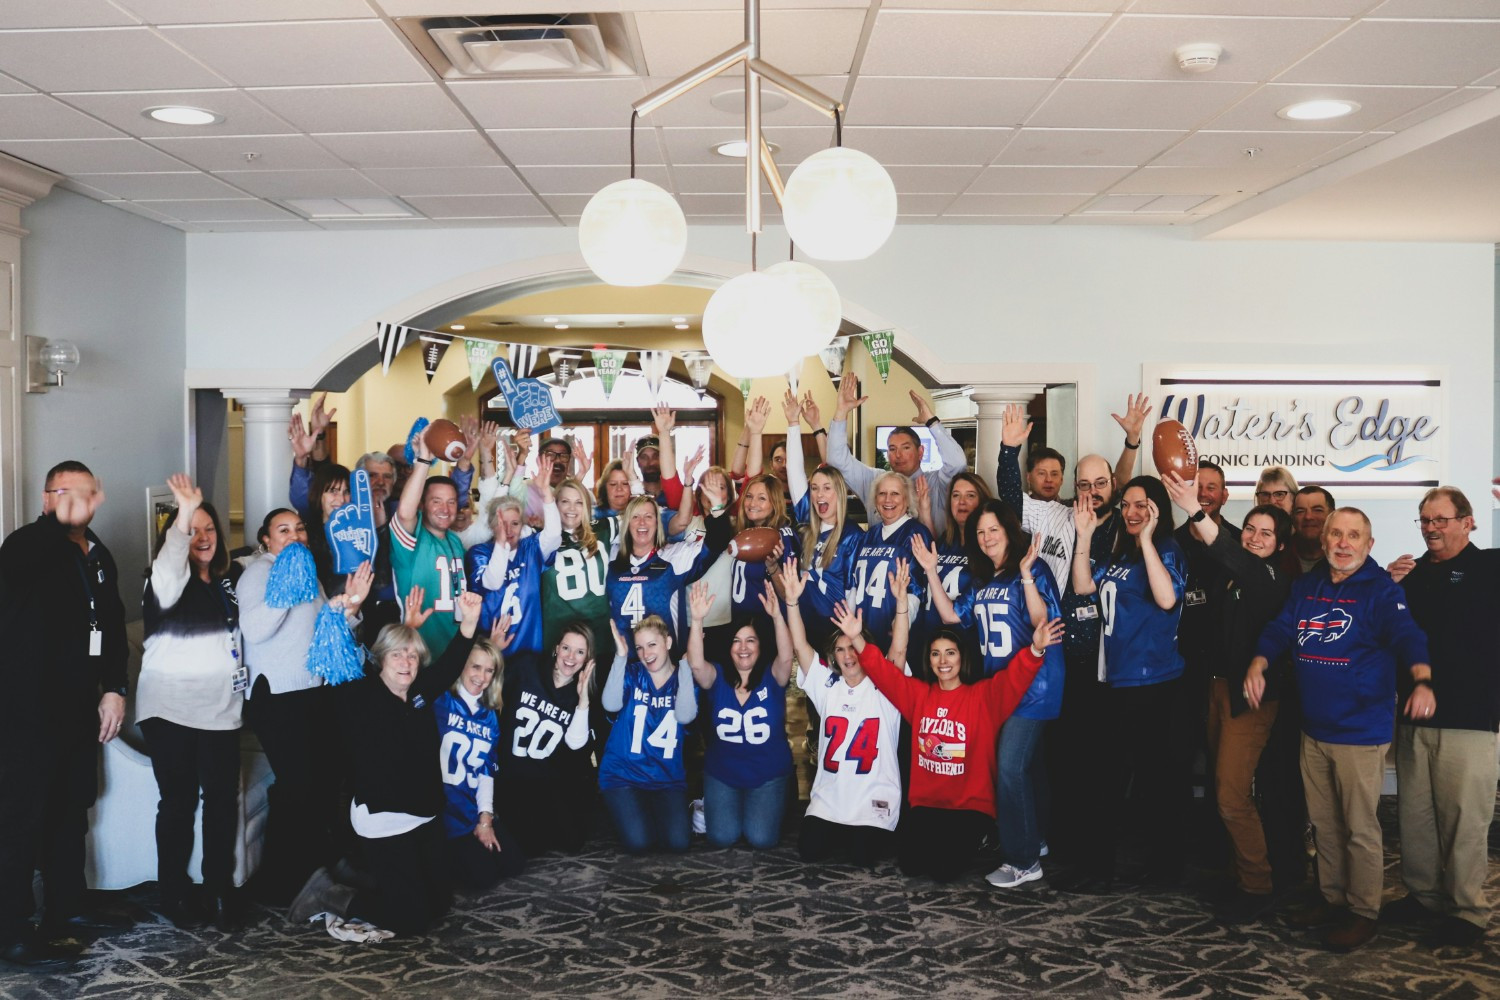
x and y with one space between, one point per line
48 362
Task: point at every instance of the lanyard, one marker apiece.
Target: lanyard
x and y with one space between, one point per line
83 574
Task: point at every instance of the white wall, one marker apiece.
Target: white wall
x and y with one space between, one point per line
114 284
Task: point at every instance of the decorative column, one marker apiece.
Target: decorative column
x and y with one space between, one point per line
267 452
990 402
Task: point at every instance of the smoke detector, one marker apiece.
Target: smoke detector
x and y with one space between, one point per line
1198 57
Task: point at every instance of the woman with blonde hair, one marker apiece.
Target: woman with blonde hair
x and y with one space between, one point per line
889 537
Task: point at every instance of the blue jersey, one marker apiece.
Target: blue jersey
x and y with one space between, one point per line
870 584
826 586
748 579
520 596
654 587
534 720
1140 639
953 577
467 753
746 744
644 749
998 609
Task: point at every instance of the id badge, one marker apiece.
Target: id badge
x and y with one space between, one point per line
242 679
1085 612
1193 598
96 642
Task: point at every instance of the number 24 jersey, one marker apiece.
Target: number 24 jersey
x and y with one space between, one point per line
858 781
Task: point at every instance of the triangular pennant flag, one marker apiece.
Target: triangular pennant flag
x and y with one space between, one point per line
882 345
833 358
434 346
794 375
745 388
389 338
564 368
654 365
608 365
699 368
479 353
523 359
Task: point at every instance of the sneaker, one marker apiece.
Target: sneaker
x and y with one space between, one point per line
1043 852
1008 876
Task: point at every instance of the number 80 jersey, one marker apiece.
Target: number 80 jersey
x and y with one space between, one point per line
573 589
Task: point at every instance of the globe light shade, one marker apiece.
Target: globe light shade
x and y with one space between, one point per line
820 311
60 356
755 325
839 205
632 233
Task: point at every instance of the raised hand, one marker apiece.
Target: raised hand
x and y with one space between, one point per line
756 414
769 602
810 412
849 621
792 409
1184 492
1047 634
690 471
1134 418
1032 552
500 633
849 397
415 616
700 599
664 418
1015 426
321 418
792 582
1148 530
470 604
584 677
924 408
357 584
468 426
924 498
1084 518
189 498
489 434
621 649
926 555
301 438
545 462
900 580
523 447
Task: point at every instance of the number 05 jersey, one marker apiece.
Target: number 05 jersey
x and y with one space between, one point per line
858 781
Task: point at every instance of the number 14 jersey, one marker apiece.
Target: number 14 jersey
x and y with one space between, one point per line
858 781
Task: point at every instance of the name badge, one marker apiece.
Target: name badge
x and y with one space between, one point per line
96 643
1085 612
1193 598
242 679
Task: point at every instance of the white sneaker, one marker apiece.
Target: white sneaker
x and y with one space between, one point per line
1009 876
1043 852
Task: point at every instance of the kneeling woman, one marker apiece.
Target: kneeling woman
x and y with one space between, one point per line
392 739
641 773
747 757
955 723
480 852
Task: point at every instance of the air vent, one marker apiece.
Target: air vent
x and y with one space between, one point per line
529 46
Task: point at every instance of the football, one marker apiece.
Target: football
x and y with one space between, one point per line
1173 450
445 440
754 544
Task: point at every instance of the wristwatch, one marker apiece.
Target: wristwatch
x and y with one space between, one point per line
1195 518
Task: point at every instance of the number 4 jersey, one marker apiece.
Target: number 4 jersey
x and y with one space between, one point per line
858 781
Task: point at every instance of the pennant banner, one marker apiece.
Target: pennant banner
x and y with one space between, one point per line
479 353
608 365
745 388
654 365
390 338
434 346
881 345
794 375
564 367
699 368
530 400
833 358
523 358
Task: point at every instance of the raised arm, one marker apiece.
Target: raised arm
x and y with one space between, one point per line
685 705
1084 521
792 584
665 420
1184 494
755 425
901 623
948 449
411 493
613 695
1131 422
170 570
814 420
857 475
699 601
1166 586
927 557
1036 602
796 469
781 667
577 736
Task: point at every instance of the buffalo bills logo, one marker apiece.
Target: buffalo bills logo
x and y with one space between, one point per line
1327 627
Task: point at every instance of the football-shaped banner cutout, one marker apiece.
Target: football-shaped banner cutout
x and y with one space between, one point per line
1173 450
754 544
445 440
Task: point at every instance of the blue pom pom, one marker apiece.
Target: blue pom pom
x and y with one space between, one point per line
411 439
293 579
333 654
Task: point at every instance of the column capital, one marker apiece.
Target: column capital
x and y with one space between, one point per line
267 397
996 394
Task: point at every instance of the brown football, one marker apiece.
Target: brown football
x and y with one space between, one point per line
1173 450
754 544
445 440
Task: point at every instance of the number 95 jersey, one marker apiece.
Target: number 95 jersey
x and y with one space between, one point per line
746 744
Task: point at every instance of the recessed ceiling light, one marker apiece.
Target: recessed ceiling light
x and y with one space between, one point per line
679 319
177 115
1317 111
681 326
735 148
549 319
559 326
455 326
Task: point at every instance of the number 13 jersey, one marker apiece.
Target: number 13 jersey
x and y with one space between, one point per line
858 781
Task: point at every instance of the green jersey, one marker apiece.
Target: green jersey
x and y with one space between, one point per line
422 559
573 589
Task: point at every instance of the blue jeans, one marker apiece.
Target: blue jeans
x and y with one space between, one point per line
650 817
755 813
1019 780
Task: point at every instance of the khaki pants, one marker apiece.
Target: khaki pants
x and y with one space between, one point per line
1446 779
1342 783
1235 744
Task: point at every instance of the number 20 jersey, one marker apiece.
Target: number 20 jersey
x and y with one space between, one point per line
533 721
858 779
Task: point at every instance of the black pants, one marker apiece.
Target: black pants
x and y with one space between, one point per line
188 762
547 815
472 866
820 839
1072 750
1278 787
304 805
49 777
410 874
941 843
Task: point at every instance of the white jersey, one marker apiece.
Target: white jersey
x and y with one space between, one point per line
858 781
1053 520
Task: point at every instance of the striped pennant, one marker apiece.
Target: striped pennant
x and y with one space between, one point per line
390 338
523 359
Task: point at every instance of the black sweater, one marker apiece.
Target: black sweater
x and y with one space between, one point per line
1254 594
393 743
1457 603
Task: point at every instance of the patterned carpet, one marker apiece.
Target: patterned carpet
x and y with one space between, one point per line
721 924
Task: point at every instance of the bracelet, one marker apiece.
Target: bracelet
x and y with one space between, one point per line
1038 653
1425 681
901 612
1027 581
423 461
930 421
1132 447
742 445
820 431
791 604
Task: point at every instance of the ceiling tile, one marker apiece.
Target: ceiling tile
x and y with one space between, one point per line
950 43
62 14
695 107
220 210
309 52
1449 100
87 190
1245 177
92 156
379 107
1056 6
1141 47
411 149
342 183
801 42
567 204
1377 105
100 59
242 115
135 208
1120 203
550 103
709 178
732 205
1404 52
1045 180
950 219
918 146
404 181
922 204
1176 203
1016 204
1086 147
1435 8
472 206
219 11
272 152
1262 8
1136 104
587 180
916 100
1275 150
931 180
415 224
247 227
37 116
576 146
797 143
10 86
159 185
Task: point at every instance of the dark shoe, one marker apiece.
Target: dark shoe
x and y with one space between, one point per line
87 924
224 911
1242 907
1406 910
1352 932
1456 932
184 913
31 955
321 894
1316 915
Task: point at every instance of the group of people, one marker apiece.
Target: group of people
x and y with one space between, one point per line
981 669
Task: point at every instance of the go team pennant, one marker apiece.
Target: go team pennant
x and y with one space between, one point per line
434 346
478 353
608 365
654 365
882 346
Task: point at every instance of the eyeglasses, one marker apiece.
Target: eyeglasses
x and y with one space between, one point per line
1097 486
63 491
1435 522
1262 496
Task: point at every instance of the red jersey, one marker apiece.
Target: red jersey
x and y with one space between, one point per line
953 733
